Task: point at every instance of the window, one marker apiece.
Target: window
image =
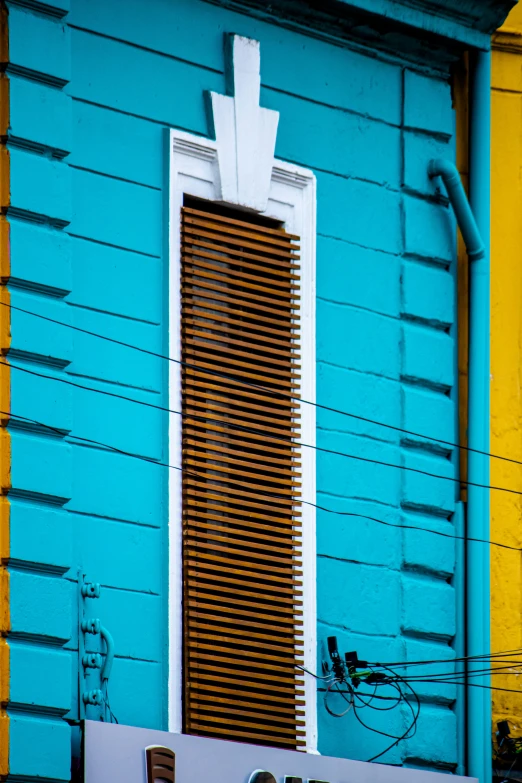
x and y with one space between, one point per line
240 279
242 568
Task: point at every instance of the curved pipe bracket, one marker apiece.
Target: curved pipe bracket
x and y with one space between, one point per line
438 167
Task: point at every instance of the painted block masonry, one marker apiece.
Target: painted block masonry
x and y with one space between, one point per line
91 89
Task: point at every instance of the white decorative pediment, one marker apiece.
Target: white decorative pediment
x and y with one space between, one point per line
245 133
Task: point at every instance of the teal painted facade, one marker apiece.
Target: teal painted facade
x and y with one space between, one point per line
92 88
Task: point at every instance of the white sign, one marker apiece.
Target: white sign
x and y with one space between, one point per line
125 754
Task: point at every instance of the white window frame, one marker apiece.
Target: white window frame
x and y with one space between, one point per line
194 171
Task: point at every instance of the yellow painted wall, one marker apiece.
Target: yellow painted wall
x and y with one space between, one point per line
506 354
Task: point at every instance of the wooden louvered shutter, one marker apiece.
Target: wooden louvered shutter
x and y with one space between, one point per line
241 514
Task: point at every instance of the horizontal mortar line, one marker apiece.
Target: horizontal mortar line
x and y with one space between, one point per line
41 8
357 499
363 435
28 428
346 241
37 639
51 714
116 450
24 144
347 177
434 262
423 570
111 244
343 109
118 384
410 444
32 359
113 176
33 75
424 383
365 564
150 50
422 448
430 324
36 218
144 117
352 306
31 567
396 253
431 134
131 590
352 631
89 240
91 309
360 372
45 500
427 517
431 636
37 289
119 520
438 391
428 510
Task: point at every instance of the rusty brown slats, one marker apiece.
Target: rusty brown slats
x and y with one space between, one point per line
242 577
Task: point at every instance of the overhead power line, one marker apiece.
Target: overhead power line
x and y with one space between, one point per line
264 389
277 438
256 492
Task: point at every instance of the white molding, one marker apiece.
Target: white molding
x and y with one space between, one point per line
245 133
292 200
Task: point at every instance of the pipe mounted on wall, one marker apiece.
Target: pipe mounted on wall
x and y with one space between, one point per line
474 225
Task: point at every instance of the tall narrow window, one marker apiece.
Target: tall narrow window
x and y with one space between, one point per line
242 573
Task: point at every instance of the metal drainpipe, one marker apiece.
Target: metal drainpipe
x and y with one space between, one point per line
474 226
477 581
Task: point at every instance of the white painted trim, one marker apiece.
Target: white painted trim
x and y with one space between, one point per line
292 200
245 132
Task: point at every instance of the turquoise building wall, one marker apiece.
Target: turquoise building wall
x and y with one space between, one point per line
92 88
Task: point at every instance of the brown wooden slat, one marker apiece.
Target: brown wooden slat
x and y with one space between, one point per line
242 325
242 592
248 736
193 234
201 631
277 709
281 274
246 232
206 335
240 223
245 375
221 567
233 691
197 267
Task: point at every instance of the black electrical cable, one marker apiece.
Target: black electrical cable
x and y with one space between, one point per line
271 495
401 664
470 685
259 492
277 438
410 731
469 673
329 709
264 389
